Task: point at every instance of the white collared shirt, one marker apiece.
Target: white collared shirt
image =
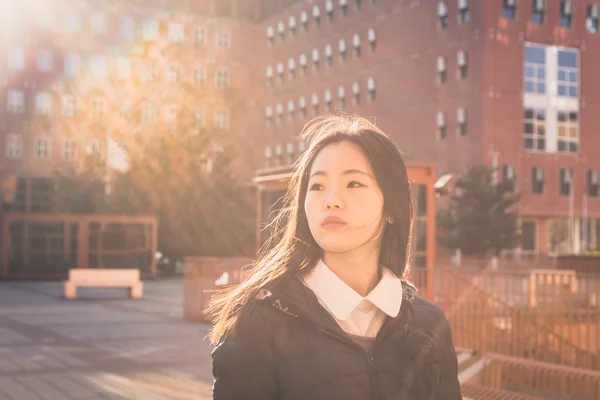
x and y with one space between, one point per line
356 315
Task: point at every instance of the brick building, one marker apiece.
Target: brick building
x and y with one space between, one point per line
507 83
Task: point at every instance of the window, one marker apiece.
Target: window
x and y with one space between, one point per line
538 180
43 103
223 39
72 65
125 107
329 9
315 104
593 11
199 116
74 23
535 129
566 178
292 25
304 21
461 119
148 111
98 108
509 177
463 11
441 125
268 116
172 74
356 45
371 88
123 68
69 148
442 71
539 11
98 24
529 236
176 34
372 36
462 62
291 109
344 7
568 131
199 76
281 30
592 182
566 14
342 49
171 113
509 9
317 15
357 4
150 30
14 145
222 119
356 93
199 36
292 68
268 156
15 102
342 97
269 73
69 106
327 100
315 58
127 27
270 36
302 106
329 56
16 58
94 148
42 148
149 72
98 66
45 61
535 69
280 72
290 153
442 15
279 111
304 63
568 73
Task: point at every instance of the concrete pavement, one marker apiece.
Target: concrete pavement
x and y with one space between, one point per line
100 346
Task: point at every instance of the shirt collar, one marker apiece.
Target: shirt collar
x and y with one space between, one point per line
341 299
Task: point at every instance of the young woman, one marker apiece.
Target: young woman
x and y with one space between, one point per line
325 313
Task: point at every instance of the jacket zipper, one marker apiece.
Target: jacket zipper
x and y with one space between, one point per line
373 377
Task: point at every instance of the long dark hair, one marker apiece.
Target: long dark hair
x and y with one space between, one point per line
292 248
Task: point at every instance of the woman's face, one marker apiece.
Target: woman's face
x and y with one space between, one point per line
343 204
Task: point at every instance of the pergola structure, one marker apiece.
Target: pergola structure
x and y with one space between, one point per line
272 184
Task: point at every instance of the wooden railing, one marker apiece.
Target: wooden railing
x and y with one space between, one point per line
550 316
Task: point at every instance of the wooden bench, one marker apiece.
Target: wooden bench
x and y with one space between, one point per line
129 278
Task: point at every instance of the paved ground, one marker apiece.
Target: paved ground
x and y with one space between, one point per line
100 346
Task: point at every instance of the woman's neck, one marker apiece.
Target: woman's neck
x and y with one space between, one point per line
359 271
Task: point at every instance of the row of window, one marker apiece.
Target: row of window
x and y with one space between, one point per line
461 123
463 15
42 147
316 15
539 184
274 156
539 59
278 112
123 66
44 105
316 59
462 63
149 29
566 13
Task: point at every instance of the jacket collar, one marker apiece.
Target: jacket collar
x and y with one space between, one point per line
340 299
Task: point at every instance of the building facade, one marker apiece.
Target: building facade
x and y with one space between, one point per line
508 83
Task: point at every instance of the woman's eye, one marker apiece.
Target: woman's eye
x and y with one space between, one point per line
316 186
355 184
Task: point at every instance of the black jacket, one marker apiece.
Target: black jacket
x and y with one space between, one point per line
289 347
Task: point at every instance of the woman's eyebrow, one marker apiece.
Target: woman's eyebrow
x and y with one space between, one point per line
346 172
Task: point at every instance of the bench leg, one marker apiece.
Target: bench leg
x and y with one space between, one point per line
70 290
136 291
